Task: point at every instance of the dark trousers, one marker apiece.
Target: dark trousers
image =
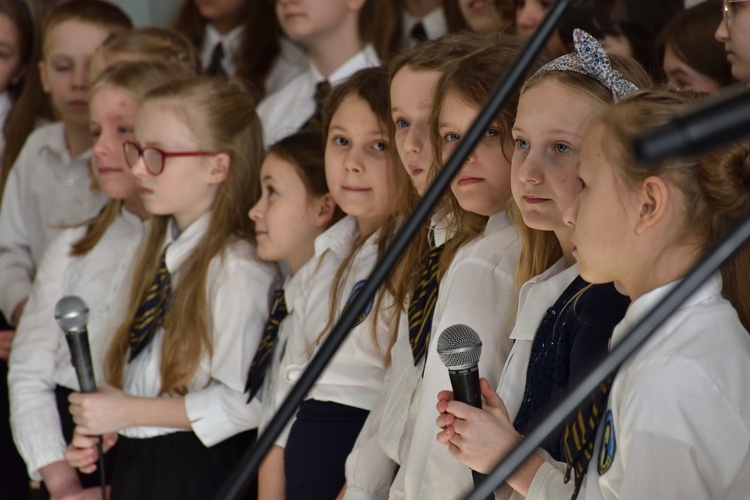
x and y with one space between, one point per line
320 439
177 465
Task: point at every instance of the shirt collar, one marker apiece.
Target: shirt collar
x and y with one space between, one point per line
339 238
496 223
434 23
230 42
182 244
55 143
365 58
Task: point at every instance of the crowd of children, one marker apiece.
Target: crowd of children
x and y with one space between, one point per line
219 193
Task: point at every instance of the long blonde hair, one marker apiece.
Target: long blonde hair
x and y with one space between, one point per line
137 79
222 115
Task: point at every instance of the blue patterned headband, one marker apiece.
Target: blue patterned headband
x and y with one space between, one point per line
590 59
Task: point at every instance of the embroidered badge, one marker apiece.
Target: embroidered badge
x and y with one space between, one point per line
355 291
609 444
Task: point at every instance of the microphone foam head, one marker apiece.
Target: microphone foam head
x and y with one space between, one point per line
71 313
459 347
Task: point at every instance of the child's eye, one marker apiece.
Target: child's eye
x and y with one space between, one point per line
125 130
451 137
341 141
380 146
270 190
561 148
401 123
522 144
492 132
95 133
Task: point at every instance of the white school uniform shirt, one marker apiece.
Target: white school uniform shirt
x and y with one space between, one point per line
380 447
678 412
239 290
46 190
5 105
230 43
291 61
479 291
354 377
286 110
434 24
41 358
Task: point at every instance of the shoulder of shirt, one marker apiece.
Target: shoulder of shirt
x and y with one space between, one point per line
48 136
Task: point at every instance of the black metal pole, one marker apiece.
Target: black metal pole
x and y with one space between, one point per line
634 339
251 460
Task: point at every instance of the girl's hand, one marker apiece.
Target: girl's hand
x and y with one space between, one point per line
102 412
93 493
82 453
477 438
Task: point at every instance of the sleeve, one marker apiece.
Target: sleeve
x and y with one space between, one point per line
34 416
240 299
16 262
369 471
483 296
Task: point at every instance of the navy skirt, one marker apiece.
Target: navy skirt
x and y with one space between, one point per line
320 439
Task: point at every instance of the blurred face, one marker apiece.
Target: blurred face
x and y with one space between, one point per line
306 21
358 165
11 66
483 184
411 101
736 38
188 185
287 219
529 13
682 77
617 44
67 51
112 122
482 15
224 15
549 132
602 216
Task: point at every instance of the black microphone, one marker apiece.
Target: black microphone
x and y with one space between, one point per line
716 123
72 314
459 347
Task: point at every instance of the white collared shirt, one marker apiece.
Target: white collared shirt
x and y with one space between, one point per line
41 358
230 43
5 105
479 291
239 291
285 111
434 24
354 377
292 61
46 191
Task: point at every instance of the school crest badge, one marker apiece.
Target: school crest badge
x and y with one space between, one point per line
609 444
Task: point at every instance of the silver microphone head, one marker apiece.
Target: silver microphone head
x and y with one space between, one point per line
71 313
459 347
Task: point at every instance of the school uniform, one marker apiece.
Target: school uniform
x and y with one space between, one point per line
152 461
286 110
479 291
676 420
331 417
380 447
41 357
5 105
230 45
46 191
432 26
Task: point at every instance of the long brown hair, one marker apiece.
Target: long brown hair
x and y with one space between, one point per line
371 85
714 185
137 79
261 39
222 114
380 24
541 249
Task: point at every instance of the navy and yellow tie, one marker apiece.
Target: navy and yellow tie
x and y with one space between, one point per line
152 312
322 89
262 359
580 433
422 303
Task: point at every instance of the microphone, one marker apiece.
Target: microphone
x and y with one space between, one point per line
459 347
72 314
719 122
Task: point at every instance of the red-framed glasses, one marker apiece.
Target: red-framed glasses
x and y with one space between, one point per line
153 157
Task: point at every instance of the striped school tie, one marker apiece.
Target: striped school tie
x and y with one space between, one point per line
580 433
262 359
322 89
153 310
422 303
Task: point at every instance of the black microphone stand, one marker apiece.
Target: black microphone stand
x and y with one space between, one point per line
251 460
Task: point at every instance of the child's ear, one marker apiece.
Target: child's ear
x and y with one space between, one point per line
326 209
43 75
653 204
220 165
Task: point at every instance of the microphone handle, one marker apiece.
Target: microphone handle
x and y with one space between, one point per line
80 354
